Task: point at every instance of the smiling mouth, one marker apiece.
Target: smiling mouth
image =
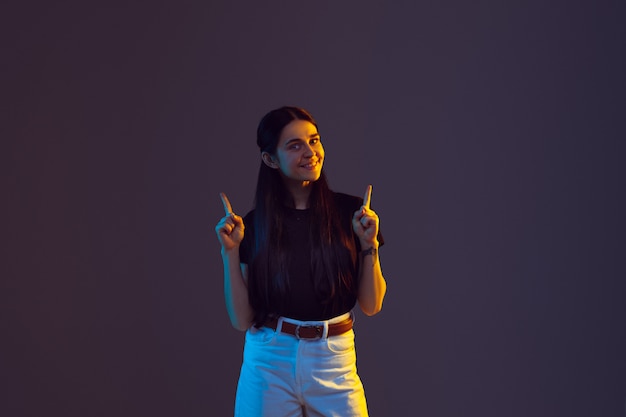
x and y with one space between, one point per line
310 165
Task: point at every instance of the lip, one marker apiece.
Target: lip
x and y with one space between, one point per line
311 165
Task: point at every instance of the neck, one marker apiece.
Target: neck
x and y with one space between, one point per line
300 192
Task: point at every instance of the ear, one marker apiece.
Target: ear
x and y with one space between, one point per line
269 160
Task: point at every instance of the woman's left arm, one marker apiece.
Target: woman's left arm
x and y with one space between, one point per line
372 284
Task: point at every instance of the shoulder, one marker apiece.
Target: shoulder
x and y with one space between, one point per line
347 202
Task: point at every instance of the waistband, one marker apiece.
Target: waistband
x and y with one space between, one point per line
311 330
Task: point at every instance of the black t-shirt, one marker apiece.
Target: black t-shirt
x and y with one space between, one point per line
302 302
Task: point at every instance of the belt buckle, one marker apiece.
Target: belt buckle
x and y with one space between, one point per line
319 331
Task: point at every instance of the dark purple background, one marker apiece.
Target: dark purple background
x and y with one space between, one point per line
493 134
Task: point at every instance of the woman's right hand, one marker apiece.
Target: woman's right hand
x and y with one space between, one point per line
230 228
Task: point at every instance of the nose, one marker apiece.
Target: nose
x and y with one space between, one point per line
309 151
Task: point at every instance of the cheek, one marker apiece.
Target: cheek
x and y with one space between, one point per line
286 163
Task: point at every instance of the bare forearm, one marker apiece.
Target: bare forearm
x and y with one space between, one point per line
236 291
372 285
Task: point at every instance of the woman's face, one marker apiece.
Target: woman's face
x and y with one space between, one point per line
299 153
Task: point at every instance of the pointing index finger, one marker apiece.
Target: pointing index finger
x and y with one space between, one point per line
227 207
368 197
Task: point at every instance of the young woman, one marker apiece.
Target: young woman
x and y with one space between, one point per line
294 269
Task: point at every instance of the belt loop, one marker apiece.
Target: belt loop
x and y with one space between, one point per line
325 331
279 325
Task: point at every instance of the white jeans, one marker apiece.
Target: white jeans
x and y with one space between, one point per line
283 376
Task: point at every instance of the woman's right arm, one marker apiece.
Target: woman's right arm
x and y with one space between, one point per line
230 231
236 291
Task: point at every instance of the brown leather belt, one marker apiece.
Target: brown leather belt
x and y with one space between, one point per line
310 331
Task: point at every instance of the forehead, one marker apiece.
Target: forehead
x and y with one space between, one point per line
297 129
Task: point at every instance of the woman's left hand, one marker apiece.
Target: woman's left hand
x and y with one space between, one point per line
365 222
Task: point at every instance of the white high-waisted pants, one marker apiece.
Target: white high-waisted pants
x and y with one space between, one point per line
282 376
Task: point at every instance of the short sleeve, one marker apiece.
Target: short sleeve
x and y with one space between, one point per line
348 205
247 245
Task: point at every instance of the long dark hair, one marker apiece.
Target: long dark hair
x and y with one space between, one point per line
333 251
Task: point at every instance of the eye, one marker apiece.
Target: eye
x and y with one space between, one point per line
295 146
314 141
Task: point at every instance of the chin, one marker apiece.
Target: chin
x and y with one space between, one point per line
314 178
307 176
